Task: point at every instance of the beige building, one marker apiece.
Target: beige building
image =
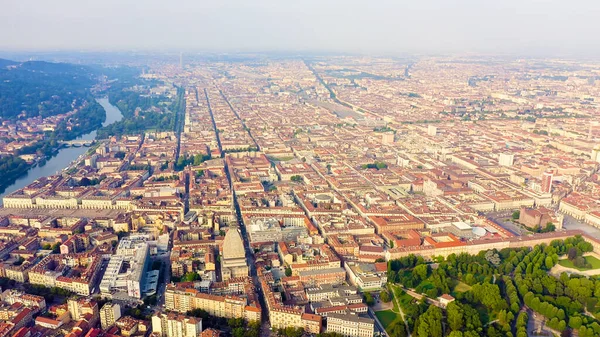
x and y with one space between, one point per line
174 325
351 325
79 307
183 300
109 314
233 261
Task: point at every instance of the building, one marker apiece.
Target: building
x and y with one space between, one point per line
12 296
445 299
175 325
595 156
387 137
210 332
547 182
74 272
350 324
109 314
432 130
80 307
126 269
506 159
181 299
270 229
130 326
540 217
233 261
367 276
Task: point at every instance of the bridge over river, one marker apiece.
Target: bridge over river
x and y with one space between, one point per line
78 142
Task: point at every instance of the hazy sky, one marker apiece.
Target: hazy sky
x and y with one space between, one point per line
367 26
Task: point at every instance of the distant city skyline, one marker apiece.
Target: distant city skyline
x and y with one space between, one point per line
531 27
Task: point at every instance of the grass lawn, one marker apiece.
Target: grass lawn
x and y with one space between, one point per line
386 317
594 262
462 287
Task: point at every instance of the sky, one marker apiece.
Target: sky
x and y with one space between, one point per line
523 27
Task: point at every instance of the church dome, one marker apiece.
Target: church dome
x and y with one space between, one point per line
233 246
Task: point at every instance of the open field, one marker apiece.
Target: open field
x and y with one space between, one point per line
462 287
593 261
386 317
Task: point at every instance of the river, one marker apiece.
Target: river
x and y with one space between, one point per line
65 155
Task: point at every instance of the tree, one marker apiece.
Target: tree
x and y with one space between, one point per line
572 254
189 277
288 271
421 271
549 262
455 316
430 323
397 329
385 296
369 299
516 215
291 332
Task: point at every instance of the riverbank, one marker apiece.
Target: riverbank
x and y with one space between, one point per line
61 157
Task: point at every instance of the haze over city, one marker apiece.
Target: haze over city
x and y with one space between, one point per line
528 28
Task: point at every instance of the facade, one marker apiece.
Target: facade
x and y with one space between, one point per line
56 270
540 217
174 325
365 276
506 159
109 314
185 299
350 324
79 307
12 296
134 254
546 186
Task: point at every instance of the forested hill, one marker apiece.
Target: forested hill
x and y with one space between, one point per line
5 63
36 88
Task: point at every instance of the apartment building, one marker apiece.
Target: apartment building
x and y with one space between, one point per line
109 314
185 299
174 325
350 324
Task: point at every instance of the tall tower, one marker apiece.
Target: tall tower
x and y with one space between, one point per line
180 60
109 314
547 182
595 156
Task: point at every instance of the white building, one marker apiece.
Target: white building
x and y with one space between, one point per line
134 254
432 130
351 325
506 159
175 325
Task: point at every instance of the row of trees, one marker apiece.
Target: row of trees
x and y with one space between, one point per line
376 165
195 160
12 167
